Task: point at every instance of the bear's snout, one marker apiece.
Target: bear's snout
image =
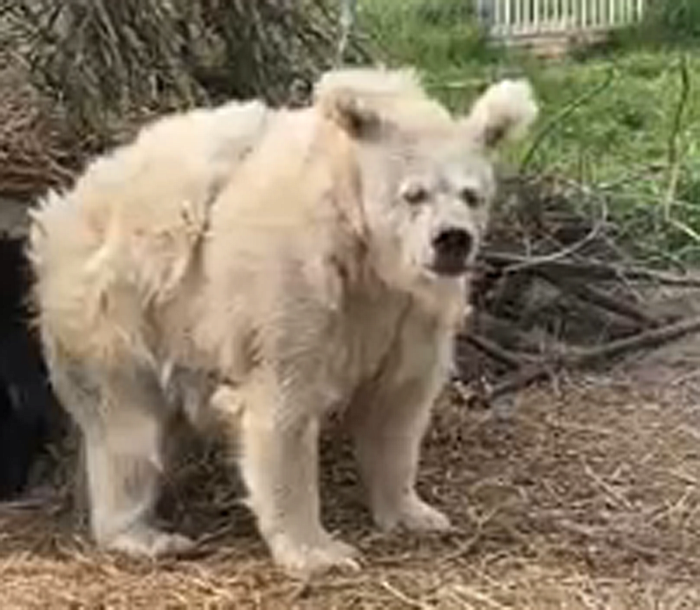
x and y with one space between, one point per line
452 246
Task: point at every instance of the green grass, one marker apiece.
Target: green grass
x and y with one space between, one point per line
623 137
619 138
431 33
673 20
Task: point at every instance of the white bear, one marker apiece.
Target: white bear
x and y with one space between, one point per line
272 267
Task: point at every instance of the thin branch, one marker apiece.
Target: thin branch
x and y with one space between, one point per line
348 9
493 350
563 114
589 357
509 261
567 251
603 300
674 158
405 599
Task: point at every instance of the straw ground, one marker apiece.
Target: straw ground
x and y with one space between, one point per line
578 495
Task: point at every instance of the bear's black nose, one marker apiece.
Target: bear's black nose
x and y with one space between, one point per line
451 249
453 243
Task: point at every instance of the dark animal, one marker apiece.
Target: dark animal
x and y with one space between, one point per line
29 413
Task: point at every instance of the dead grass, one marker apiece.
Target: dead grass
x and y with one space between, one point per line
585 496
79 77
33 150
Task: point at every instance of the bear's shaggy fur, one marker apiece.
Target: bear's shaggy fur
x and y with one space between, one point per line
269 267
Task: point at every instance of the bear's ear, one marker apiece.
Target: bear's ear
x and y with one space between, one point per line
350 112
504 111
360 100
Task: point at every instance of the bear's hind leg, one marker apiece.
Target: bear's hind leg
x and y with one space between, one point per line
122 419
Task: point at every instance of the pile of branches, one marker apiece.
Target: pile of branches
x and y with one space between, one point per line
559 288
103 67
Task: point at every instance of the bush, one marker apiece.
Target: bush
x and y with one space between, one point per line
674 20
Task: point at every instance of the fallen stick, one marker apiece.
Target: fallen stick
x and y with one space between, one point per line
506 334
593 269
649 339
601 299
529 374
493 350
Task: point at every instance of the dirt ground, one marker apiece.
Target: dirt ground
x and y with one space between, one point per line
581 494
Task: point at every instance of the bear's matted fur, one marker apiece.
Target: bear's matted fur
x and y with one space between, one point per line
271 266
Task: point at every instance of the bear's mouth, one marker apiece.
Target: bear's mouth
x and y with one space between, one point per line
450 267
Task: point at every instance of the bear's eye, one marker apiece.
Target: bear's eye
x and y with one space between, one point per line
415 194
470 197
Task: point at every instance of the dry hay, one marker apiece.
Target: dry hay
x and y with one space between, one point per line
80 76
33 151
581 496
104 56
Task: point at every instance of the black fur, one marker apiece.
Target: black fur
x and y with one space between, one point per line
29 413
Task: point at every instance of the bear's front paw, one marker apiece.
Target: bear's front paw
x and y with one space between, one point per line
412 514
145 541
306 559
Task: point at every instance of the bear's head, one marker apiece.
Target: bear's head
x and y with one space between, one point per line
426 178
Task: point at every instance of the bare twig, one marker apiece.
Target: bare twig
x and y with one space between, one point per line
493 350
534 261
646 340
591 268
604 300
563 114
405 599
674 158
588 357
347 19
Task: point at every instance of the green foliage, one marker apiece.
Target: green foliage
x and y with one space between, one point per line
666 23
617 143
432 34
673 20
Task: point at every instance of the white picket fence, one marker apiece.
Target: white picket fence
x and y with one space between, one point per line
531 18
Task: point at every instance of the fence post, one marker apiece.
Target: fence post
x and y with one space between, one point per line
641 5
595 14
496 15
520 18
347 19
486 10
